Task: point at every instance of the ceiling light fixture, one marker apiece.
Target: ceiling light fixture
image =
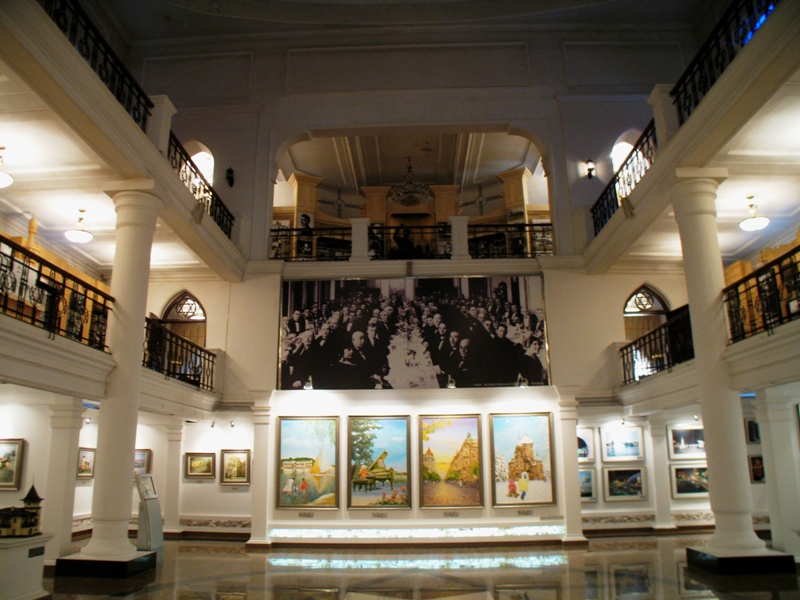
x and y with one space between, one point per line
78 234
5 179
753 222
411 192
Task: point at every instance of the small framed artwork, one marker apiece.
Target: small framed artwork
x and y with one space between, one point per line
756 469
632 582
585 445
308 448
686 443
142 461
86 463
689 481
234 467
12 452
625 483
588 484
622 444
147 487
752 431
200 465
450 463
378 455
522 459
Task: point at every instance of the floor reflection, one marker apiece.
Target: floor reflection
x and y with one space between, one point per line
641 568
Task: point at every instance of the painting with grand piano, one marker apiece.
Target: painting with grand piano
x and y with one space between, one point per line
378 465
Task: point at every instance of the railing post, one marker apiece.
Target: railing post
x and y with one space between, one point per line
664 112
359 239
160 123
458 237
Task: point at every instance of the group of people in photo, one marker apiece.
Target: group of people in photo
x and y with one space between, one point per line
365 340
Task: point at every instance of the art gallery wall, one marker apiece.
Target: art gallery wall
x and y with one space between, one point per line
24 420
84 488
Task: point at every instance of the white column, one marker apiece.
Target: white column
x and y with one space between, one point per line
693 199
137 210
263 466
172 491
568 416
776 410
160 122
360 239
65 423
662 495
458 237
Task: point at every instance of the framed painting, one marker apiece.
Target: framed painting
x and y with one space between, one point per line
308 448
752 431
689 481
522 459
625 483
200 465
234 467
86 463
588 484
451 475
586 445
622 444
756 469
686 443
378 453
142 461
632 582
12 453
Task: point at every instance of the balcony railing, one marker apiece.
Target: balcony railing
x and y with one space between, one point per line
736 28
765 299
410 242
659 350
40 293
173 355
626 178
524 240
311 244
82 34
208 199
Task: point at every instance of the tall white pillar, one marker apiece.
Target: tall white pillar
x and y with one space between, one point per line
568 416
693 199
137 210
262 459
459 237
776 410
172 491
359 239
662 494
65 424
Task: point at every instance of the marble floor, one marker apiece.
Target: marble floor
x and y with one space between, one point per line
631 568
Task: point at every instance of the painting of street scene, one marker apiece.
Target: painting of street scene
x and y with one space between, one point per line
522 459
307 451
378 451
625 484
450 451
690 481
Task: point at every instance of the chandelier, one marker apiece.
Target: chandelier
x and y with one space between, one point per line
411 192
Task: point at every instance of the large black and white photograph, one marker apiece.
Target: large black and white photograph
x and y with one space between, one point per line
413 333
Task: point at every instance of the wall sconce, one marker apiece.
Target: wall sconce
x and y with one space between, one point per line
229 176
308 384
78 234
5 179
696 418
753 222
451 383
521 381
590 169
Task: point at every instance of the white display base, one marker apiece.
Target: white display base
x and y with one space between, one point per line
23 567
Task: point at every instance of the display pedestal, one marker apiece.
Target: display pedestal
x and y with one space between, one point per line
23 567
769 561
77 565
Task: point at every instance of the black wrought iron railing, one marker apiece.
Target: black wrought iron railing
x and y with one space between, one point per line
197 184
626 178
524 240
735 29
660 349
765 299
173 355
37 292
81 32
406 242
326 243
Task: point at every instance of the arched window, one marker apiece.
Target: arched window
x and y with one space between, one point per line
186 317
202 158
644 310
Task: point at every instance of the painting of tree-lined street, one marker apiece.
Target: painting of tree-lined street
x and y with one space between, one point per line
450 461
378 465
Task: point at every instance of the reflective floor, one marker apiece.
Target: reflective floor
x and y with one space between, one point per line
632 568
